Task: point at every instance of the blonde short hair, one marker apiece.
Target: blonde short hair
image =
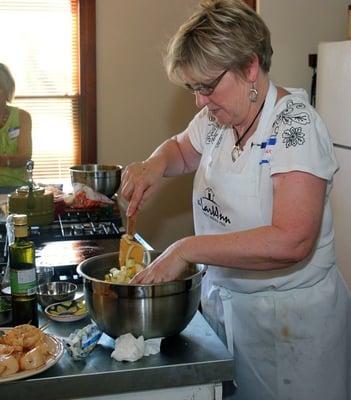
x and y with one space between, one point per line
7 83
220 35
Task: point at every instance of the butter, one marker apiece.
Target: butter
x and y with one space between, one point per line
82 342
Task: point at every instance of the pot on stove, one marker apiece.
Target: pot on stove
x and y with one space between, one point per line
36 203
33 201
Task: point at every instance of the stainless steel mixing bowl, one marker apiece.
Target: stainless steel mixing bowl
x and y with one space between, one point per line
156 310
55 292
102 178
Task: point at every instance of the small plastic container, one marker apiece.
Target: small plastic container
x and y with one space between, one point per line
82 342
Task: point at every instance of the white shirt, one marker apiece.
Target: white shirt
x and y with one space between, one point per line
230 197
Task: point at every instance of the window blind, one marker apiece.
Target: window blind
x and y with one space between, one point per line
40 45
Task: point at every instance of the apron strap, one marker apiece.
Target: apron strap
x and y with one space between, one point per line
267 111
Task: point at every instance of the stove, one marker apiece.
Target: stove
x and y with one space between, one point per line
100 223
74 236
58 259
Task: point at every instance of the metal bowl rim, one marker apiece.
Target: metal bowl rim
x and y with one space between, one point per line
98 168
72 288
106 255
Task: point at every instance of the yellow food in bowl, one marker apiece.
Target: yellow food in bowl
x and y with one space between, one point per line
124 274
74 307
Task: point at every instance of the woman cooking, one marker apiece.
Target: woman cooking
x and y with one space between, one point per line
264 165
15 136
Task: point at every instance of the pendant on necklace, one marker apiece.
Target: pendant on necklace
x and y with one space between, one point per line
236 153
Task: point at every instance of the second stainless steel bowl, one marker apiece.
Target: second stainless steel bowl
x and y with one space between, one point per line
102 178
149 310
54 292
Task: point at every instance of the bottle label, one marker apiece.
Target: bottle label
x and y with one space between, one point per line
23 281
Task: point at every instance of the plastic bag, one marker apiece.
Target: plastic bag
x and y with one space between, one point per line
85 197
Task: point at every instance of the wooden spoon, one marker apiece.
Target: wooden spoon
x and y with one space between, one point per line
128 247
131 223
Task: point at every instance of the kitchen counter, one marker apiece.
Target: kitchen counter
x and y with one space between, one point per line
193 358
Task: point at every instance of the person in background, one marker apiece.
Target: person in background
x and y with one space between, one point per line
15 136
264 166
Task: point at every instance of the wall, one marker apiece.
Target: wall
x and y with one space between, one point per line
138 108
297 27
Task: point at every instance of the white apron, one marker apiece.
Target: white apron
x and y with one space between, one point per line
289 331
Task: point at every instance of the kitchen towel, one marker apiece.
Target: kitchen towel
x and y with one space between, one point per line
129 348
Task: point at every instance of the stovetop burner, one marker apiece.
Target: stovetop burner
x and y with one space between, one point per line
74 236
103 223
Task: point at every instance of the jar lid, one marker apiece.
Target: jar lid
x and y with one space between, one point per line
20 219
24 190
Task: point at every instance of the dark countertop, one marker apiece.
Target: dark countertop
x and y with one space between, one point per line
194 357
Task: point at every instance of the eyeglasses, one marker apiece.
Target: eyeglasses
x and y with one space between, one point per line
206 89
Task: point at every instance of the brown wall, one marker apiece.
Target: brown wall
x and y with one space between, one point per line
137 106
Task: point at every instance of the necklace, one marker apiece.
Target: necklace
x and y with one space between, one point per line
237 149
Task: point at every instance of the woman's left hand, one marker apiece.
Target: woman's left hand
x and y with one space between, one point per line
167 267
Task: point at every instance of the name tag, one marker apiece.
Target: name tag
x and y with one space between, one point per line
13 133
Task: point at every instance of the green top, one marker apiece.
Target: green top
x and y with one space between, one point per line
11 176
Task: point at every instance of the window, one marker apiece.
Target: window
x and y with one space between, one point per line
50 50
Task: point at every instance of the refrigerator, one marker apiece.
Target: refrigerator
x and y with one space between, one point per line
333 102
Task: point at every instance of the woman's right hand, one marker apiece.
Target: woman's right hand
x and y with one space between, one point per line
139 181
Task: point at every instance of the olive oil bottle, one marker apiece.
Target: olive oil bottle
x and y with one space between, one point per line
23 275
